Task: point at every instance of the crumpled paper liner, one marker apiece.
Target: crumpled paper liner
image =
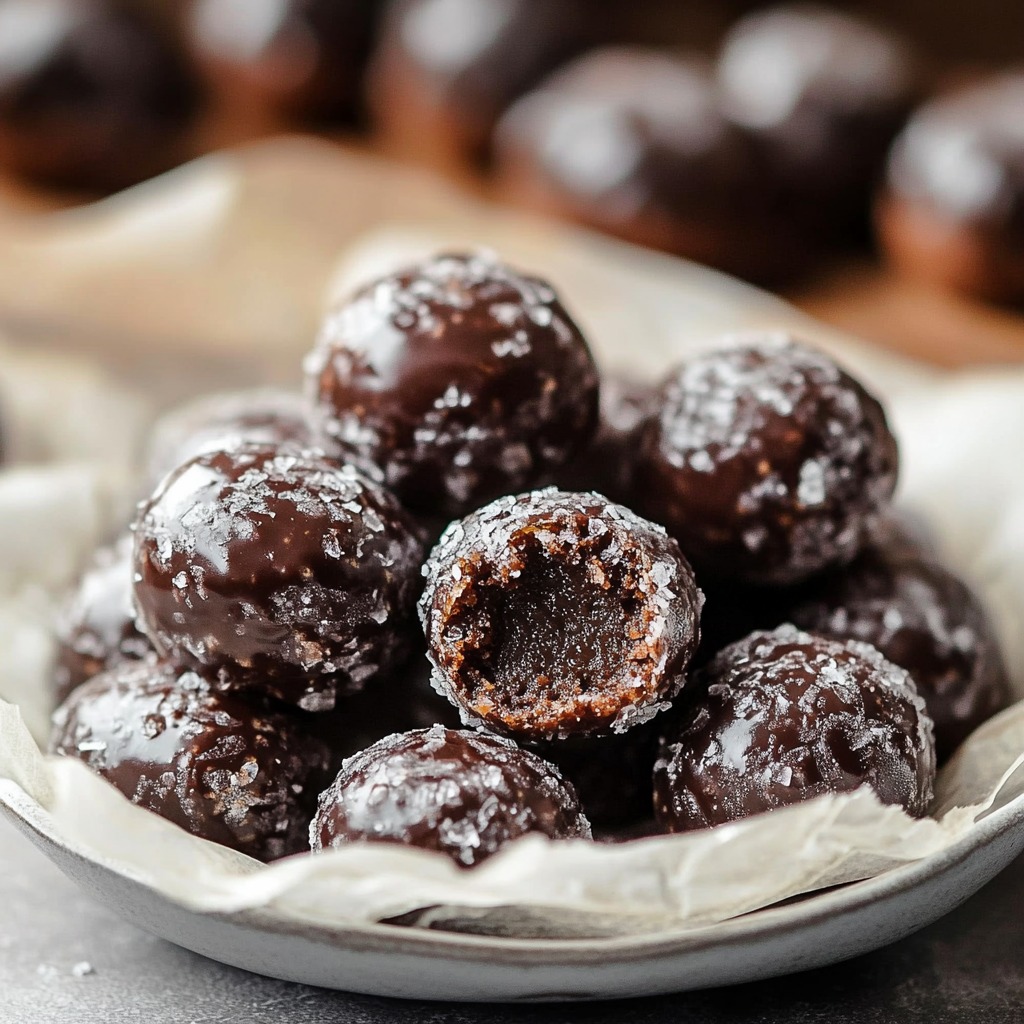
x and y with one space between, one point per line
205 229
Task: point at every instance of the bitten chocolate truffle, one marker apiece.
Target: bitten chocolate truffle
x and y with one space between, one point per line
221 768
555 614
462 793
953 209
924 619
274 569
295 58
821 95
768 463
446 70
224 421
632 141
96 629
781 717
93 94
459 377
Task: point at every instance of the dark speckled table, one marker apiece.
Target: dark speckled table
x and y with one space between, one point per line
63 958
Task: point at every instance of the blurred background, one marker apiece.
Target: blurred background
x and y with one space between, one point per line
865 159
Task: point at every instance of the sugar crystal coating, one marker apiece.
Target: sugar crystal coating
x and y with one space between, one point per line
462 793
220 767
459 377
554 614
768 463
778 718
924 619
274 569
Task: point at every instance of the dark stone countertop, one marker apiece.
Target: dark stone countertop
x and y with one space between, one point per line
64 958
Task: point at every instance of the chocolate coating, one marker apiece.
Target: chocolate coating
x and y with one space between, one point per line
924 619
768 463
222 421
954 209
297 58
821 95
461 793
447 69
781 717
459 377
632 141
556 614
92 94
219 767
96 629
274 569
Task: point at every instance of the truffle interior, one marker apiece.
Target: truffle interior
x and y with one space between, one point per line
554 631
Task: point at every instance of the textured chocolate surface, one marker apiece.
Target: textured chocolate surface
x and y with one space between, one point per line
274 569
768 463
96 628
556 614
220 767
924 619
462 793
781 717
92 94
459 377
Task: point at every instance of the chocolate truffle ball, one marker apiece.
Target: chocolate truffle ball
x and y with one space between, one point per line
221 768
821 95
632 141
459 377
92 94
953 213
924 619
96 629
274 569
223 421
294 58
556 614
461 793
447 69
781 717
768 463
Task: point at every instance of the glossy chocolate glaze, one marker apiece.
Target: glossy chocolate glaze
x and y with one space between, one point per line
222 421
459 377
220 767
274 569
96 629
821 94
92 94
954 206
298 58
924 619
781 717
557 614
447 69
633 141
462 793
768 463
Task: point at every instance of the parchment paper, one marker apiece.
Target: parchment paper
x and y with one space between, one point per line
201 234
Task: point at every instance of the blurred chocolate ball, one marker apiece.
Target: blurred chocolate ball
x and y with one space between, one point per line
296 58
93 95
447 69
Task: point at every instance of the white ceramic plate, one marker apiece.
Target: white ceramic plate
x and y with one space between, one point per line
389 960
